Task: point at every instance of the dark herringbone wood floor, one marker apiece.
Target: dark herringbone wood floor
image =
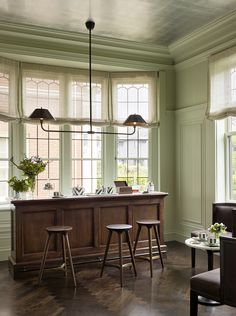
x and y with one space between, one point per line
167 294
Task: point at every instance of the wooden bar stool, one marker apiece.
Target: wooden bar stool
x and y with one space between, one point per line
63 231
119 229
149 224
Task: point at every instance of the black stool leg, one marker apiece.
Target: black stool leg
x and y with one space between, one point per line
63 244
193 257
106 252
70 258
136 240
121 259
131 252
193 303
150 248
45 252
158 245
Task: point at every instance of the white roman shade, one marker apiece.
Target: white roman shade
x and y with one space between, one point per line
65 93
222 82
8 90
134 93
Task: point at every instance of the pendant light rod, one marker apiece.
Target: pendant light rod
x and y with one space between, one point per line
90 24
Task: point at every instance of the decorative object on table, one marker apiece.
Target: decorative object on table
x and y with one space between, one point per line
57 194
135 188
76 191
212 241
202 236
217 229
109 190
30 167
124 190
150 187
48 187
99 191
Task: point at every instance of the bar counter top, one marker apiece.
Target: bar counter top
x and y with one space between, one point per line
91 196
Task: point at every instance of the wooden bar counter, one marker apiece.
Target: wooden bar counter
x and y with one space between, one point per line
88 215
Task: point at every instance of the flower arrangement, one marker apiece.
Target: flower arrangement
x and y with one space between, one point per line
217 229
18 185
30 167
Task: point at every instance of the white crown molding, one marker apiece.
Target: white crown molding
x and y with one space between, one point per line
26 40
207 40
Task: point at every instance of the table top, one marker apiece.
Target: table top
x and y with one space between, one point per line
203 245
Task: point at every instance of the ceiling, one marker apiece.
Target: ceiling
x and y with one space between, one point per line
159 22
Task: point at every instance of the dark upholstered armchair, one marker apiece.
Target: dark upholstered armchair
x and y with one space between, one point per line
221 213
219 284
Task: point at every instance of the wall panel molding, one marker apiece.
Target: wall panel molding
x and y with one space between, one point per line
190 170
5 233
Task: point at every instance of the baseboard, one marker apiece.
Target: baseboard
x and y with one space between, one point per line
173 236
4 254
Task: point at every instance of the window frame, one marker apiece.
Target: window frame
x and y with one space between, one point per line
132 158
8 156
228 159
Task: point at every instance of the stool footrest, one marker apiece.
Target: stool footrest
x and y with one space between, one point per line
147 258
124 265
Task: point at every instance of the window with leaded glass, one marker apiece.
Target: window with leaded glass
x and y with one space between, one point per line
4 157
132 151
86 159
46 146
231 145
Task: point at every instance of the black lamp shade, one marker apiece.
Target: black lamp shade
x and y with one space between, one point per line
135 120
41 114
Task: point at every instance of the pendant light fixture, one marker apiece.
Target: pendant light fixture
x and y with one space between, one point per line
44 114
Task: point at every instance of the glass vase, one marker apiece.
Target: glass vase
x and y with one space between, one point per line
31 191
217 236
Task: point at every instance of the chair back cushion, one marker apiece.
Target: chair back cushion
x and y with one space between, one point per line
222 213
228 270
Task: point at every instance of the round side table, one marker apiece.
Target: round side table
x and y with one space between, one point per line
202 245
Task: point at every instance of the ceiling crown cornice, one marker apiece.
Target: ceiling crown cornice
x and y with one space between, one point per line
44 42
207 40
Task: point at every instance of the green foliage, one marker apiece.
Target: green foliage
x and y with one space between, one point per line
19 185
30 167
217 229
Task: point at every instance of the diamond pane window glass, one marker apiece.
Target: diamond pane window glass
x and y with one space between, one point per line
42 92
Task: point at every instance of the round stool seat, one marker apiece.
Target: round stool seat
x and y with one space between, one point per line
58 229
148 222
119 227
